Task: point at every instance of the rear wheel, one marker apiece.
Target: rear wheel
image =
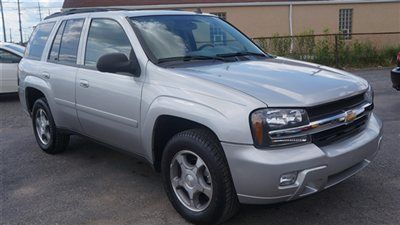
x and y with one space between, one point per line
197 179
47 136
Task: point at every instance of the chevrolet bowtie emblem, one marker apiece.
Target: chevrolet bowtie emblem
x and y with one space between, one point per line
350 116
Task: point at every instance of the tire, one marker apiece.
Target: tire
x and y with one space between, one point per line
200 143
50 140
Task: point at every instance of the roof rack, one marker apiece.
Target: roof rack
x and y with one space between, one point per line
84 10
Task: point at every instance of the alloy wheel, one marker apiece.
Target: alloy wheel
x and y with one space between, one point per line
191 180
43 127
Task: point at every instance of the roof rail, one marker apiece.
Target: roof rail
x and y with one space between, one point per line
84 10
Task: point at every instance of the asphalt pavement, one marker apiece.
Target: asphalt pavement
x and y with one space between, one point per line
91 184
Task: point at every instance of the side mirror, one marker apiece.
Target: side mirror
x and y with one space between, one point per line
118 63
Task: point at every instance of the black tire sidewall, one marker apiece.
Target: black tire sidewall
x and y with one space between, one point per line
212 213
42 104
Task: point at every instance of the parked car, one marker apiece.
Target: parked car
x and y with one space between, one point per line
224 122
10 56
395 74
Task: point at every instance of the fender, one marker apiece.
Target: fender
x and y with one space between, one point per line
41 85
210 117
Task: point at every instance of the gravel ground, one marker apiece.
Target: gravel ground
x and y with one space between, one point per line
90 184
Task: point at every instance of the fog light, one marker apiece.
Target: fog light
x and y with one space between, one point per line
288 179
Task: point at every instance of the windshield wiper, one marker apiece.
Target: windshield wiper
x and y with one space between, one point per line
235 54
190 58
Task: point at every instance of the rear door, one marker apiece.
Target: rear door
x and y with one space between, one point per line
108 104
8 71
61 69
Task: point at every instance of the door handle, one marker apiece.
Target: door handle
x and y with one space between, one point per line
84 83
46 75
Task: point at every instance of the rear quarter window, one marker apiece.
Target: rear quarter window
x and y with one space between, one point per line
38 41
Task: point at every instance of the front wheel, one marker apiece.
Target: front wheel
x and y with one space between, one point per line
197 179
47 136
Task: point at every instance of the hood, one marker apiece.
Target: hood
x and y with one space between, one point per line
281 82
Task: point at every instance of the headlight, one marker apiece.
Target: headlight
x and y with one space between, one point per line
266 120
369 95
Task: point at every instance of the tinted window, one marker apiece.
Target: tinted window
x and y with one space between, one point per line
8 57
38 41
70 41
55 48
105 36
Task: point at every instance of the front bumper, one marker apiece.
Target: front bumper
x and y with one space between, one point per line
256 173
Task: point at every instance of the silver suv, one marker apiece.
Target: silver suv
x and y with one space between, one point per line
224 122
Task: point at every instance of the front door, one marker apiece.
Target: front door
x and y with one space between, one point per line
108 104
8 71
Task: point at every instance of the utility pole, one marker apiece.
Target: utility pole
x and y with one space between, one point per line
20 25
11 36
40 11
2 19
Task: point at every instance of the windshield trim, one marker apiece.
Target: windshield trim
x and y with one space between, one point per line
154 59
187 58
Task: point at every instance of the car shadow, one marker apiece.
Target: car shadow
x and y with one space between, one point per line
310 210
81 148
9 97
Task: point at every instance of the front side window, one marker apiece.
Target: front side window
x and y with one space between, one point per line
8 57
106 36
174 36
38 41
70 41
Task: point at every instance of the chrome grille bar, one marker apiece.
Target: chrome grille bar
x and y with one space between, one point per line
344 118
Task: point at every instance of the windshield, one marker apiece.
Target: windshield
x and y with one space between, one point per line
192 36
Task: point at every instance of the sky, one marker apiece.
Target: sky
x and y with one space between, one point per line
29 16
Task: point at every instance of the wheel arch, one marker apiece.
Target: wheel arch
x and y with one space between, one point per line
167 116
32 94
34 89
165 127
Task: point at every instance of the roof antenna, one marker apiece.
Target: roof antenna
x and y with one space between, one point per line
198 10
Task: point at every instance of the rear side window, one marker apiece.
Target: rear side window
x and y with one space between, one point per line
66 42
55 48
106 36
38 41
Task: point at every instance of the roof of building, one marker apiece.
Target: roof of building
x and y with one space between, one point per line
108 3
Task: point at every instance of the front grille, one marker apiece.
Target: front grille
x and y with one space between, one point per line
334 108
338 133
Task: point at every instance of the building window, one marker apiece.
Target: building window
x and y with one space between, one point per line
221 15
218 37
346 22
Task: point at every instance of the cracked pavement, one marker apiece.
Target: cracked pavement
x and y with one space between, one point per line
91 184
